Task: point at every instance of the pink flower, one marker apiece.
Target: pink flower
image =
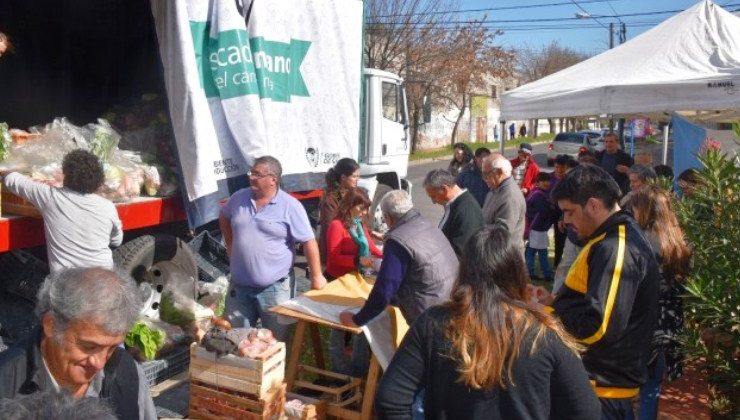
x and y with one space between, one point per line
711 144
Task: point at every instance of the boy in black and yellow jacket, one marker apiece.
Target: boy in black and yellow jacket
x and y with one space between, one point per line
610 297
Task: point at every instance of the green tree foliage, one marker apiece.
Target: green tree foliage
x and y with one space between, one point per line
710 218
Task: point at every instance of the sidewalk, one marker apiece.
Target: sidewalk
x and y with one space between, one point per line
449 157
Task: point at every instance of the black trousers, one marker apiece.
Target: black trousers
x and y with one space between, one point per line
616 409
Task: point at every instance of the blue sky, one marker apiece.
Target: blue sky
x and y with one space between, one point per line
588 36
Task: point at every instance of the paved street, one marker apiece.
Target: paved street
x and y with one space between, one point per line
417 172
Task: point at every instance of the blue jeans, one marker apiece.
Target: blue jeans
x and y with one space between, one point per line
650 390
245 305
339 362
529 255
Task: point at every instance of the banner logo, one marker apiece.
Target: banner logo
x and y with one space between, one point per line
235 65
312 156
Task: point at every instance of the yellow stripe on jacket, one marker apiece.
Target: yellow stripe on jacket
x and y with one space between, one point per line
613 287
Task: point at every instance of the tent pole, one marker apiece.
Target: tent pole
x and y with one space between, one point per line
665 143
503 137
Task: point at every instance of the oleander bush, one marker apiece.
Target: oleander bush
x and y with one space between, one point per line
711 222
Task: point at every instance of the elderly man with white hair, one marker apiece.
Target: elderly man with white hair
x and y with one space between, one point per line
505 201
418 268
85 314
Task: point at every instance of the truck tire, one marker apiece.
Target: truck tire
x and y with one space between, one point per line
376 216
163 261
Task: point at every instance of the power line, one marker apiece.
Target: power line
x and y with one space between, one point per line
488 9
614 11
547 28
589 14
457 22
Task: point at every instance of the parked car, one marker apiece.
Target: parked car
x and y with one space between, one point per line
574 143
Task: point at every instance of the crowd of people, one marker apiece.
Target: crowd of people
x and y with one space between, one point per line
485 342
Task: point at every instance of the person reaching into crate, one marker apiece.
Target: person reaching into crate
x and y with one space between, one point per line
85 314
79 225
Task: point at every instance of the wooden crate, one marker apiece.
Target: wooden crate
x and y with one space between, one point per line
314 409
346 392
209 402
241 374
13 204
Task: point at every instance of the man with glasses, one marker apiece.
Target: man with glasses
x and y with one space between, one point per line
261 225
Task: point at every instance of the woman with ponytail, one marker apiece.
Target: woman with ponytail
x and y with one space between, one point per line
339 179
488 353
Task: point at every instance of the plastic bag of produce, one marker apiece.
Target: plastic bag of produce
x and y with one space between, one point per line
179 309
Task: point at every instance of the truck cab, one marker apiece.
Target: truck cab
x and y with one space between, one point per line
384 139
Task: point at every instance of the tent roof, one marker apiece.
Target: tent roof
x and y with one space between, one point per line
691 61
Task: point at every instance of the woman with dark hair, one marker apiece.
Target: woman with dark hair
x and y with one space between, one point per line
348 241
488 353
349 247
79 225
652 209
339 179
462 159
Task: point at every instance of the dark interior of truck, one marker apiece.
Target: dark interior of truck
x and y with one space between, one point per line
75 59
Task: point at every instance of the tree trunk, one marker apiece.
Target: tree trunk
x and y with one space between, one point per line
551 122
415 131
460 116
535 128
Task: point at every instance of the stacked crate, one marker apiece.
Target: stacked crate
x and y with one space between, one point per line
237 387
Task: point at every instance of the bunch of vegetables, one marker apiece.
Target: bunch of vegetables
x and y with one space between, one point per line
146 339
5 141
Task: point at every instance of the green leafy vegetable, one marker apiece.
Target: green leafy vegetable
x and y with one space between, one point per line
146 339
103 144
5 141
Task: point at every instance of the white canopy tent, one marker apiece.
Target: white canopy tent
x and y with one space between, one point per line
689 62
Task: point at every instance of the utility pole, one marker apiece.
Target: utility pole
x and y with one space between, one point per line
611 35
622 33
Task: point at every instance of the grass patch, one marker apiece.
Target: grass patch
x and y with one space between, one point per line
447 150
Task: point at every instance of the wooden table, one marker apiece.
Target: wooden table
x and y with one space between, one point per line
304 321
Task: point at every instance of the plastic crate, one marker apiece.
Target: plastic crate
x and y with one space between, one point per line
154 370
23 274
174 362
210 256
177 361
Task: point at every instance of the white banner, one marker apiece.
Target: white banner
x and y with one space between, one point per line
287 84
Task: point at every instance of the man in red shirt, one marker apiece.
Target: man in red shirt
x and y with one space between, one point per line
525 169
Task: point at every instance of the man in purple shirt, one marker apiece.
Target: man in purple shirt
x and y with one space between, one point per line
261 225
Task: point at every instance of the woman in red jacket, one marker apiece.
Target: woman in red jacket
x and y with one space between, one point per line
349 246
348 242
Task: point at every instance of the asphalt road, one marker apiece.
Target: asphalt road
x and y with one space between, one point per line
417 172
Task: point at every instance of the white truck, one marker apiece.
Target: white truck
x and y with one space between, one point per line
242 79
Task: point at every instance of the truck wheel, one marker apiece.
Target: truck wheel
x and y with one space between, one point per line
376 216
163 261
